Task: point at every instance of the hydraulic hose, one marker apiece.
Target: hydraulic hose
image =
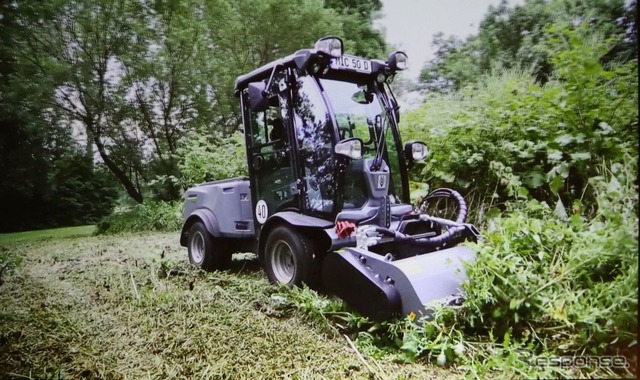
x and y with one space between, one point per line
455 229
453 235
448 193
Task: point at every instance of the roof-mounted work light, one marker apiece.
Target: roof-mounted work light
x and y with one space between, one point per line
330 45
398 61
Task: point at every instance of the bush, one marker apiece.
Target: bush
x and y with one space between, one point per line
81 192
509 134
149 216
547 282
208 159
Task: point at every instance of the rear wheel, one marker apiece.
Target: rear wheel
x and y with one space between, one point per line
290 258
205 251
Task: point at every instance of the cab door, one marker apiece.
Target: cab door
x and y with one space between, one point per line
269 154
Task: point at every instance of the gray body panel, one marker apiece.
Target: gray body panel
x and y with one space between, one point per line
226 205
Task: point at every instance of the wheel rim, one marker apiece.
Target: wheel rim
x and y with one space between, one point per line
282 262
197 247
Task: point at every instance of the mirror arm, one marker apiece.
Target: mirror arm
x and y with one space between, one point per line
396 106
266 88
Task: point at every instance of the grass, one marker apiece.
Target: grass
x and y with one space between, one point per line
54 233
131 306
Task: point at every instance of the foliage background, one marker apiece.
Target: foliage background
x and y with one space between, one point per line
113 108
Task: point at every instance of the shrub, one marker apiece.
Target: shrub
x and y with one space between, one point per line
546 284
81 193
207 159
149 216
508 133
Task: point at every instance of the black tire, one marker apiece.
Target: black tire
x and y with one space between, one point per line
205 251
290 258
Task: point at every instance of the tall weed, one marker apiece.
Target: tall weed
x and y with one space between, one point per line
545 284
508 136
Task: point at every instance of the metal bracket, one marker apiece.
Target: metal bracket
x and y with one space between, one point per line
294 188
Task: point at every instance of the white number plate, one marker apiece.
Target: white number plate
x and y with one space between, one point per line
351 63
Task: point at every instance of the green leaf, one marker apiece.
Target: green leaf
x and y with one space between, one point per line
592 68
534 179
556 184
576 222
564 140
493 212
411 347
523 192
560 211
581 156
445 176
554 155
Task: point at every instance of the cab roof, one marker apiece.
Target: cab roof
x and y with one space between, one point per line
301 59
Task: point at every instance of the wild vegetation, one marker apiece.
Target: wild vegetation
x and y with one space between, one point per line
540 130
534 120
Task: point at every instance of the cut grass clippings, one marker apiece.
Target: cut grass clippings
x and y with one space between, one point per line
131 306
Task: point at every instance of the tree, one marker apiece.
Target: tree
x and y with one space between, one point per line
81 193
75 52
456 63
30 139
137 77
513 37
357 17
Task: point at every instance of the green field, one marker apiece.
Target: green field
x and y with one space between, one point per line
55 233
131 306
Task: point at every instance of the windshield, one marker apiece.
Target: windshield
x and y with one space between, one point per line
359 113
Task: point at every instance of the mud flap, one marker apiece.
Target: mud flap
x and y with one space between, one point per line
380 288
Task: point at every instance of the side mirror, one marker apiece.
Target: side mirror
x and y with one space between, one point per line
415 151
351 148
258 101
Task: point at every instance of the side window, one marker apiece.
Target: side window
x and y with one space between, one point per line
270 153
314 135
267 126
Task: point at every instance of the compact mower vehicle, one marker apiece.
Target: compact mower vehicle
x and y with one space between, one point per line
327 198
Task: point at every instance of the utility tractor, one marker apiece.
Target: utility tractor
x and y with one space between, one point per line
327 200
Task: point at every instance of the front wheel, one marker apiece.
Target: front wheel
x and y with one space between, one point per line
290 258
203 253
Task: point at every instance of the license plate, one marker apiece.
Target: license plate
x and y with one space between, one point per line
351 63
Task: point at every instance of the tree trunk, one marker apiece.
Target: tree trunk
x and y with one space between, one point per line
89 146
132 190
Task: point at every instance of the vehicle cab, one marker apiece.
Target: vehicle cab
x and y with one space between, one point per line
322 137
